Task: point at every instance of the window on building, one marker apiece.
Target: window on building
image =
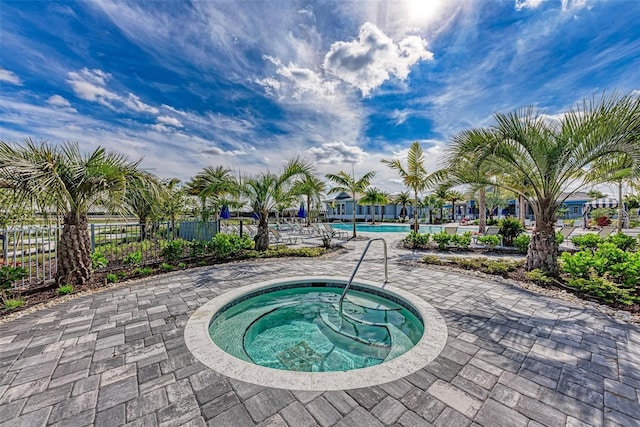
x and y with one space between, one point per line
576 210
359 209
368 210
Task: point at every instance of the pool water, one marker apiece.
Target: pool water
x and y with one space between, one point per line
299 329
386 228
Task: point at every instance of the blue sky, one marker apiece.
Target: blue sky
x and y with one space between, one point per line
248 84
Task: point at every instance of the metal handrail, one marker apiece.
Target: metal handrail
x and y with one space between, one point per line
386 271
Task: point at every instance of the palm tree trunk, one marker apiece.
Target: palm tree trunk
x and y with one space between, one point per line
74 251
543 249
522 209
482 210
620 207
415 211
354 215
262 235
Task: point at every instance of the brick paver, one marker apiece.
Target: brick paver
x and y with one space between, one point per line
512 358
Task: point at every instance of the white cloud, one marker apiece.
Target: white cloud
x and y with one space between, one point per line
336 153
90 85
572 5
171 121
9 77
61 103
372 59
528 4
297 81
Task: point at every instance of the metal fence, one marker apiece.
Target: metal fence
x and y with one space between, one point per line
34 248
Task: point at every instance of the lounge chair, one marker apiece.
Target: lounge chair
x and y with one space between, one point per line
251 230
567 231
329 230
289 240
491 230
451 230
605 231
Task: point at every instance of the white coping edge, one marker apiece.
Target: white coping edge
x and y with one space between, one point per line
199 342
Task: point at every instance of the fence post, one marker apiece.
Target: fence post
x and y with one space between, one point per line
5 246
93 238
240 228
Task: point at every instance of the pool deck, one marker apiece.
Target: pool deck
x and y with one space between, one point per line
513 358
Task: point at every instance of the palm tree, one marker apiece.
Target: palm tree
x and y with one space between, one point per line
311 187
212 184
553 158
414 175
441 192
432 202
373 196
619 170
144 198
174 202
261 191
348 184
453 196
60 177
403 199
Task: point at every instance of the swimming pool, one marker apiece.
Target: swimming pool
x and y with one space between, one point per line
299 329
386 228
267 343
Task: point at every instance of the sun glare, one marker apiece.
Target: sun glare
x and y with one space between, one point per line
423 10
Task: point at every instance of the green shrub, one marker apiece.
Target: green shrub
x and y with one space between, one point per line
112 278
98 260
576 265
442 239
432 259
522 243
9 275
622 241
587 241
65 289
489 241
559 238
182 265
166 267
510 228
417 240
461 240
172 251
143 271
225 245
538 276
197 248
134 258
603 289
12 303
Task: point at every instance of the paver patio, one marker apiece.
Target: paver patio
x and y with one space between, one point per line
513 358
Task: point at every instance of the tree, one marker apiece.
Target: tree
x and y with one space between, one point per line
414 175
442 192
453 196
553 156
403 199
312 188
348 184
60 177
174 202
432 202
619 170
144 198
374 196
211 185
595 194
261 191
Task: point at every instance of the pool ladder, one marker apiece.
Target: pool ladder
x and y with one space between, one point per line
386 271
